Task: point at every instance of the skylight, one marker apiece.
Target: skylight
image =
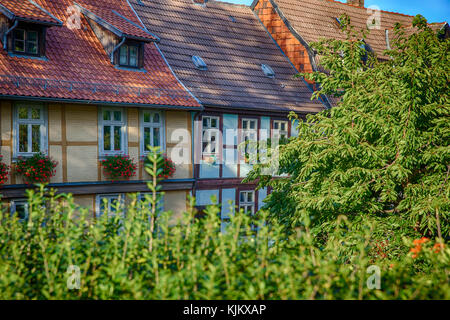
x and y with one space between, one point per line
268 71
199 63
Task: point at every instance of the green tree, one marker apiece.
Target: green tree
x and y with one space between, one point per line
383 151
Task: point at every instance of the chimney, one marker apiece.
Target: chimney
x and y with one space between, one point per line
356 3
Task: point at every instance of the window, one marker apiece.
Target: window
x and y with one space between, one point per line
249 136
247 202
129 55
112 131
152 130
111 204
20 208
199 63
26 41
280 129
210 136
268 71
30 129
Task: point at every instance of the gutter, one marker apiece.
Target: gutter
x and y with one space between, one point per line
5 36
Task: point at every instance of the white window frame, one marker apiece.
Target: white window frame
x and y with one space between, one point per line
278 131
124 137
247 133
207 133
246 203
111 196
13 205
43 122
161 126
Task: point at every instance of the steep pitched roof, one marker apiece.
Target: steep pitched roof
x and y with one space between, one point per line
76 67
313 20
27 10
233 44
120 18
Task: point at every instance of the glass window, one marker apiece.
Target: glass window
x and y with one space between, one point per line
128 55
249 136
111 204
152 126
19 208
25 41
210 136
280 129
113 131
29 130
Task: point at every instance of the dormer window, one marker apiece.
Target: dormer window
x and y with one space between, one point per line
130 55
26 41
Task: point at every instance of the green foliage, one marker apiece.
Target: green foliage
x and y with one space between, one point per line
127 258
383 152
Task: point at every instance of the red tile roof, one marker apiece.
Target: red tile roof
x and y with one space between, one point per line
26 10
76 67
120 16
233 44
316 19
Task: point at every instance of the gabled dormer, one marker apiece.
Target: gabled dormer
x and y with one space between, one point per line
121 34
23 27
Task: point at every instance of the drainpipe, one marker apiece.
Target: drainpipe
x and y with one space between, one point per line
116 48
5 40
195 118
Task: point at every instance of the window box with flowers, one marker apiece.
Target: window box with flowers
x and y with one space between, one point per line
119 167
38 168
4 172
167 166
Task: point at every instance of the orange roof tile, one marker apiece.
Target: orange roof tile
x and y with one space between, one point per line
27 10
76 67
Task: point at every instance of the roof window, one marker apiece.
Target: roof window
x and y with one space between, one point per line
199 63
268 71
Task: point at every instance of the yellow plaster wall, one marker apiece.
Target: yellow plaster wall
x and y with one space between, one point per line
81 123
82 163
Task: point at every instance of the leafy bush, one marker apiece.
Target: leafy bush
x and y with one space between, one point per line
119 167
383 151
38 168
146 254
166 165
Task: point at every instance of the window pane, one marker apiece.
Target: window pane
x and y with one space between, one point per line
117 116
106 138
32 36
213 123
123 55
117 138
156 118
205 122
146 138
283 126
19 34
147 116
19 46
133 56
244 124
23 113
242 197
21 210
23 138
32 47
156 137
35 113
250 197
275 125
36 138
252 124
106 115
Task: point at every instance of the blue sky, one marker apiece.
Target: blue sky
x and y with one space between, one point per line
433 10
